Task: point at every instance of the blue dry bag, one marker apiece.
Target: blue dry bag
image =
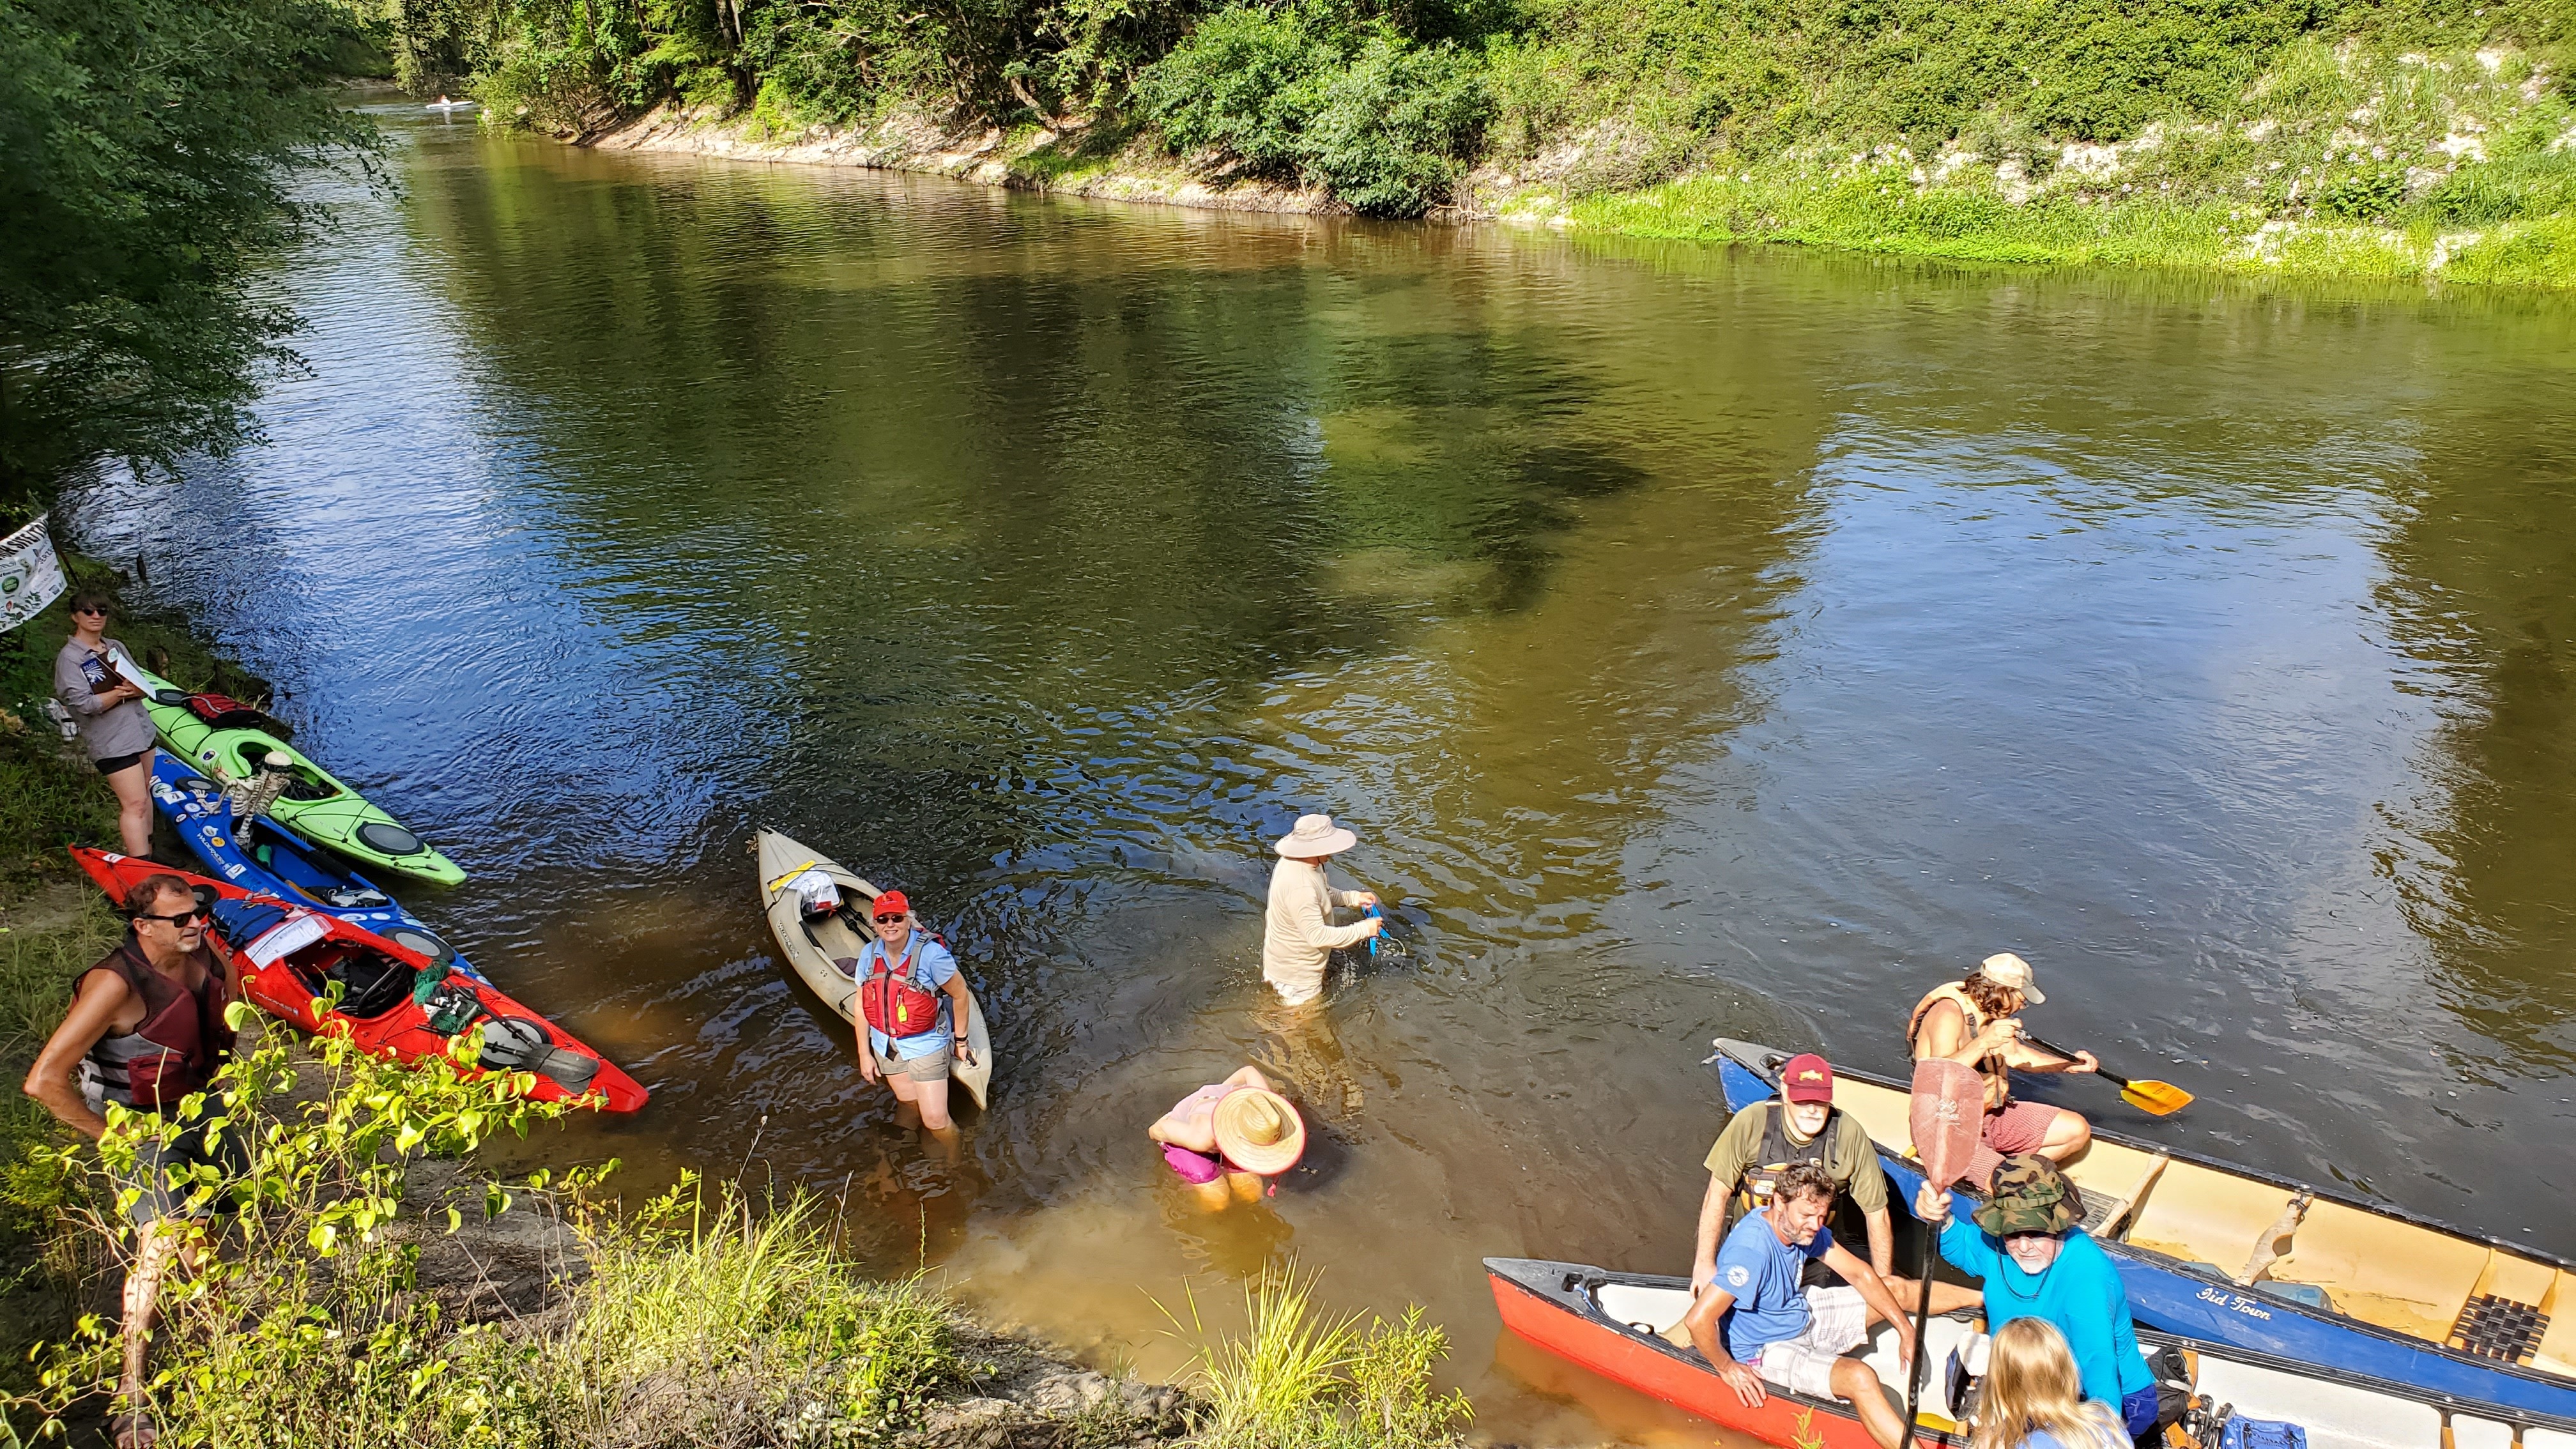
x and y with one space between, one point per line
2262 1434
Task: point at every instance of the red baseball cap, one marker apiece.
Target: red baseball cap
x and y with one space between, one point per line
890 904
1805 1077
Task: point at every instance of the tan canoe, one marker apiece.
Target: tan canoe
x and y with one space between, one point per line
817 948
2233 1255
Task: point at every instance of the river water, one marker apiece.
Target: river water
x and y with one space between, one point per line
1701 641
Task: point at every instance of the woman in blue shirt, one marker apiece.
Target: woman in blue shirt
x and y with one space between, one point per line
902 964
2036 1263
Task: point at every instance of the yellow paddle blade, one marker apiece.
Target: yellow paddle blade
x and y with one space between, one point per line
2161 1098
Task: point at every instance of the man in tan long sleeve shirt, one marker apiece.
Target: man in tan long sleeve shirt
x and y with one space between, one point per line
1298 937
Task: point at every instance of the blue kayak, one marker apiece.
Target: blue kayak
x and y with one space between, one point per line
2252 1261
262 855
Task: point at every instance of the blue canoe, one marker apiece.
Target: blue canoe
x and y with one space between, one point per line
267 857
2355 1285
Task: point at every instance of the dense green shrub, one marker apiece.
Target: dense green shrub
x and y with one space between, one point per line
1397 125
1383 121
1248 81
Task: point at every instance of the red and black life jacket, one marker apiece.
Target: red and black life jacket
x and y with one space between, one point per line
177 1046
894 1003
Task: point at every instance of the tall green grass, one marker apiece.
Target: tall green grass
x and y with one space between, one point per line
706 1322
1300 1377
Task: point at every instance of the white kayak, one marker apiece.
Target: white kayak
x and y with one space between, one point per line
445 106
825 950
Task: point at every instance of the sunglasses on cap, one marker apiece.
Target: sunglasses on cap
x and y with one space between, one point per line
197 916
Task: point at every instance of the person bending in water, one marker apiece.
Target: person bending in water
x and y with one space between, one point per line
1227 1139
910 1001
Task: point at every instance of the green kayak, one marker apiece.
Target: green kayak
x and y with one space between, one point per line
313 805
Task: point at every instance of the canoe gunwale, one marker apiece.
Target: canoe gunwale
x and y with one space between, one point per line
2335 1319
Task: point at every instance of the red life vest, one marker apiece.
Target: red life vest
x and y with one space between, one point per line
895 1004
174 1050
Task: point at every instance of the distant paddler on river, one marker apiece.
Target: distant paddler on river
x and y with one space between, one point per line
1976 1022
1298 936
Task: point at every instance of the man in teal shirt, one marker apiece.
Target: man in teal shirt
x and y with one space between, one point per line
2036 1263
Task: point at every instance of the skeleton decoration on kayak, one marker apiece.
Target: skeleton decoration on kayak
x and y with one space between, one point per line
266 858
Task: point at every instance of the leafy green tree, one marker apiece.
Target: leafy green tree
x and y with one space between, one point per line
149 152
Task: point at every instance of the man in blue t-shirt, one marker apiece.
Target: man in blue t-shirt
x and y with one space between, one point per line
1753 1322
2037 1263
915 1066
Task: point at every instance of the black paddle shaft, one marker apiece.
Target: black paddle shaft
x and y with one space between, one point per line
2099 1070
1922 1320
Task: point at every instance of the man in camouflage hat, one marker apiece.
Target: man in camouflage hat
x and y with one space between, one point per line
2030 1248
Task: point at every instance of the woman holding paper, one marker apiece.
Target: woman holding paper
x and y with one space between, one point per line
113 722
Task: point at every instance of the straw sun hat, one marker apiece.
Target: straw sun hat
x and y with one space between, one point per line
1315 835
1259 1131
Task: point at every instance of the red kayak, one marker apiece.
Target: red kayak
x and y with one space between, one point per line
1611 1323
394 1002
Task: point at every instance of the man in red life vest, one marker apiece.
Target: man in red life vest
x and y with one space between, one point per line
911 999
146 1029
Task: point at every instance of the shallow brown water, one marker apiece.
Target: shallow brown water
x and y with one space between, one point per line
1701 642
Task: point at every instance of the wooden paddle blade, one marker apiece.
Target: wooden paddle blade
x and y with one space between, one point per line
1949 1114
2161 1098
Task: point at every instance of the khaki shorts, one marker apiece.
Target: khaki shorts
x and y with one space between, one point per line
932 1068
1837 1323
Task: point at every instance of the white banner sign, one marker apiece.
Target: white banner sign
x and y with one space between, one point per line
30 575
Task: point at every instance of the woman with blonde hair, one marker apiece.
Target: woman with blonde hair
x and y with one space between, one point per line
2034 1396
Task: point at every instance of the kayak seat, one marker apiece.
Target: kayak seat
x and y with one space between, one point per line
371 983
847 966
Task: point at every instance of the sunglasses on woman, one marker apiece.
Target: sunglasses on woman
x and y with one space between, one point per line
890 920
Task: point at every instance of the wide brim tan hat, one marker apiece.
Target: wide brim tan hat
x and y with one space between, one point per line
1259 1131
2006 969
1315 835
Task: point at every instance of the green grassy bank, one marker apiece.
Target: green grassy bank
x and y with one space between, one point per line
2338 161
